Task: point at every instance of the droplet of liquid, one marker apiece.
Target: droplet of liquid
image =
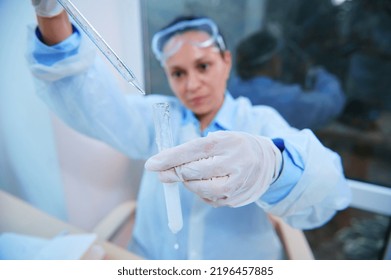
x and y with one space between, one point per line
176 246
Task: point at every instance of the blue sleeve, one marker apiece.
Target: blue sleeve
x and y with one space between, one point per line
291 172
49 55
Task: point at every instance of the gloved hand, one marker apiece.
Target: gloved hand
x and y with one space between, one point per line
47 8
224 168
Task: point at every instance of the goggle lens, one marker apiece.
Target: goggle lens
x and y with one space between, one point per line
165 43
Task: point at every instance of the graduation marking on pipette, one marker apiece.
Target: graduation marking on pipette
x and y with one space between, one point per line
101 44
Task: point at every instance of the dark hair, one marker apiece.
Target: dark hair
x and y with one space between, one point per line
180 19
254 52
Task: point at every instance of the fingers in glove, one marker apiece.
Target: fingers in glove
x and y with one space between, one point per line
202 169
191 151
234 201
211 189
47 8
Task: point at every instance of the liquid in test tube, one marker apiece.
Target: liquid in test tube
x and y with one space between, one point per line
164 140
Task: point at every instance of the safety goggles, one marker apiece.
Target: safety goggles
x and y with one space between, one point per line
163 47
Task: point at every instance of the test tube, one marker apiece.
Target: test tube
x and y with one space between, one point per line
164 140
101 44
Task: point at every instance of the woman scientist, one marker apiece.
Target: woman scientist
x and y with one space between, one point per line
237 162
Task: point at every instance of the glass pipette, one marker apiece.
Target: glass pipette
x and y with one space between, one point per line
101 44
161 113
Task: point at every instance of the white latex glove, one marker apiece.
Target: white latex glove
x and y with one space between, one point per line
225 168
47 8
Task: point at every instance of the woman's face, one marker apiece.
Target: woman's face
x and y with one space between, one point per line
198 75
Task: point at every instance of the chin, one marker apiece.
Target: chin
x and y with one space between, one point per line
200 110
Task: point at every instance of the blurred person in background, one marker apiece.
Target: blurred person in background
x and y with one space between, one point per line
259 64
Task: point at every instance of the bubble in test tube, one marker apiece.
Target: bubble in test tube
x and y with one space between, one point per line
164 140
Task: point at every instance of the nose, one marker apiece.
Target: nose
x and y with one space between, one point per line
193 81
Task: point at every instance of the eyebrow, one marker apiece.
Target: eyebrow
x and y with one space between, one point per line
202 58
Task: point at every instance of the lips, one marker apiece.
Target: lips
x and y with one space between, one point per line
198 100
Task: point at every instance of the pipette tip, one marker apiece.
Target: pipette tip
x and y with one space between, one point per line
137 86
